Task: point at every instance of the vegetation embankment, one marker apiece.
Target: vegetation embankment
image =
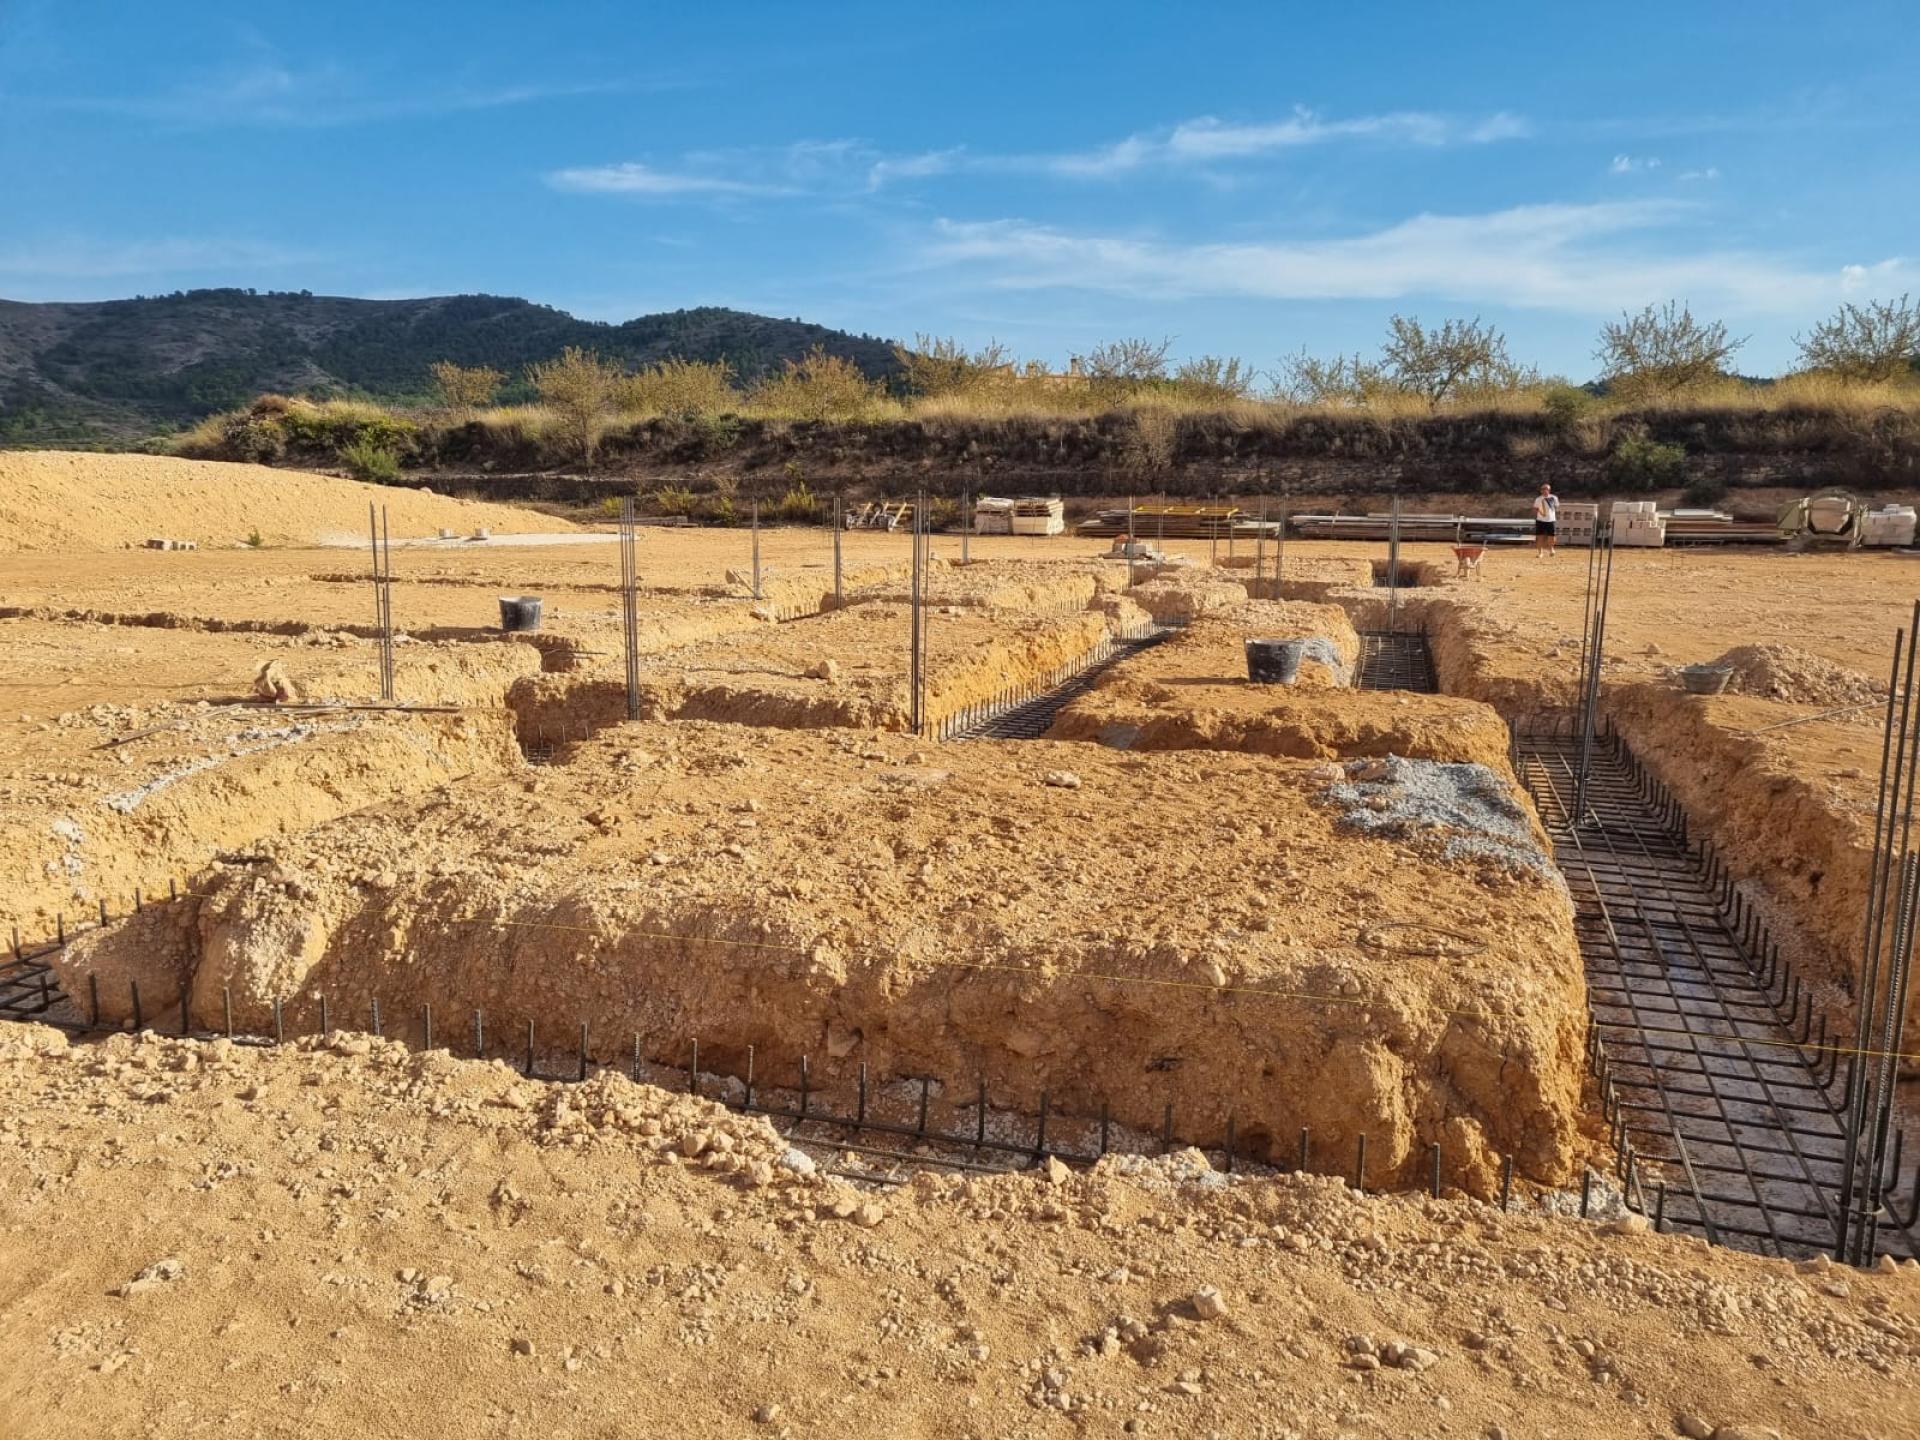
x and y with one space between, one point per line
1440 408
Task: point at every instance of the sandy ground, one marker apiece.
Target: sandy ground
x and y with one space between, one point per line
407 853
55 501
199 1239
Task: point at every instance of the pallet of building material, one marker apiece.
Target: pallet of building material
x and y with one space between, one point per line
992 516
161 543
1172 522
1039 517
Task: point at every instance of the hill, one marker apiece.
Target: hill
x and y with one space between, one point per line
118 369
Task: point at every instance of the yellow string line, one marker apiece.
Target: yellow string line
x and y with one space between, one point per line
1158 982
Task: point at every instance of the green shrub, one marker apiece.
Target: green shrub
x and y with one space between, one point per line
716 434
799 504
720 511
258 438
1638 463
1704 493
669 500
1565 404
370 459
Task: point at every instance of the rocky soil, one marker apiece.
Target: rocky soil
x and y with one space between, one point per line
355 1239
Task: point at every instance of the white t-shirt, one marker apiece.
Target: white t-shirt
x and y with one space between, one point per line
1546 507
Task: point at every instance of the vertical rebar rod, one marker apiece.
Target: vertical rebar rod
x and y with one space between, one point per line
839 524
1894 744
1589 697
966 527
1260 547
916 659
1130 539
1393 566
630 603
756 549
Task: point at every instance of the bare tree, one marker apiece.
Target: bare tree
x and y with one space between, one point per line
1133 361
678 387
1663 351
465 388
1309 380
818 386
1216 378
1441 363
579 387
1875 341
940 366
1156 432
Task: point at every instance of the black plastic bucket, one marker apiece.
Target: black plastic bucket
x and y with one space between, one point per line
1274 662
519 612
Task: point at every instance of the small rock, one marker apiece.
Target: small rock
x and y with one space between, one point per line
1057 1171
160 1272
769 1413
1208 1303
828 670
522 1345
1629 1225
1062 779
798 1161
1692 1426
869 1215
1744 1432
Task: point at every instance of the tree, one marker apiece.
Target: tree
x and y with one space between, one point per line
1308 380
1129 362
579 387
465 388
817 387
937 366
688 388
1439 364
1872 342
1216 379
1662 351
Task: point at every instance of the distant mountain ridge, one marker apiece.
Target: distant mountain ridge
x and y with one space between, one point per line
124 367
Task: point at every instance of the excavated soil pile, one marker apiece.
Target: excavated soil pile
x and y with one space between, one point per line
1185 929
847 668
55 501
1040 587
355 1240
1795 676
1178 594
134 756
1191 693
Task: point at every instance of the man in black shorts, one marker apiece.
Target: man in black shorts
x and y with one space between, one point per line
1546 520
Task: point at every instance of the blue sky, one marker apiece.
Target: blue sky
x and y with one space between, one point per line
1246 179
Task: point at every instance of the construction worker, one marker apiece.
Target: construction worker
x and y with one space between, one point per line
1546 520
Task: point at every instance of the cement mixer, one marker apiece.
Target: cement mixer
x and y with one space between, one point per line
1831 519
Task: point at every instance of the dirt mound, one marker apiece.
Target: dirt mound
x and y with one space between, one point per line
1795 676
53 500
954 912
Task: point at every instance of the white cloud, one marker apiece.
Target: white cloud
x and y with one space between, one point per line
1579 258
844 167
1627 164
633 178
264 90
77 258
1712 172
1210 139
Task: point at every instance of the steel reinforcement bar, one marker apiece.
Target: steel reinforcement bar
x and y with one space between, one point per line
1716 1083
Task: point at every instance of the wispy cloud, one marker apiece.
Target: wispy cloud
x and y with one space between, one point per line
264 90
1579 258
1628 164
1711 172
1209 140
633 178
845 167
69 257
